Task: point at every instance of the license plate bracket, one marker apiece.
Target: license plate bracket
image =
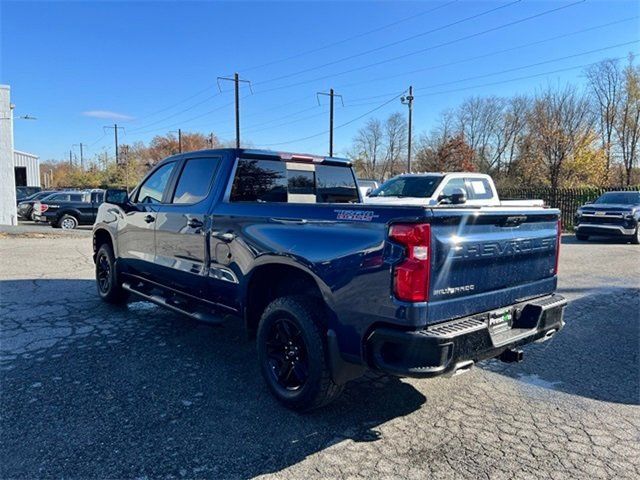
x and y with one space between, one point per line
500 320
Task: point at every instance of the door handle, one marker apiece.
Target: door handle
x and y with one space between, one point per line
225 237
149 218
195 223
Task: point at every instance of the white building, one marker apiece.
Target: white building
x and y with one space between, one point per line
16 168
26 168
8 212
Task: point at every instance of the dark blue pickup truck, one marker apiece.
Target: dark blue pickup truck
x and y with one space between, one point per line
329 286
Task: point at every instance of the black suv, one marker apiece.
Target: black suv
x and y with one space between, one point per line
612 214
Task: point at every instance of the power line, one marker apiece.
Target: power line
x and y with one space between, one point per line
354 37
525 77
144 126
490 54
392 44
187 120
348 39
339 126
200 92
422 50
529 66
267 125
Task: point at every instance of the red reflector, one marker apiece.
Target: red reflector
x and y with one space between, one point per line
411 276
43 207
558 241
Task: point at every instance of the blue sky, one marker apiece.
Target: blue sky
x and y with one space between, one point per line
152 66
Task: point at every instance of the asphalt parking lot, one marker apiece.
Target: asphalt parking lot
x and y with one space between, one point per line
96 391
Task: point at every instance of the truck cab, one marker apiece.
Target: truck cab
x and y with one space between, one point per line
432 189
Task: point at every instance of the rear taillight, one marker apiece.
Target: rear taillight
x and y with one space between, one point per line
43 207
558 239
411 276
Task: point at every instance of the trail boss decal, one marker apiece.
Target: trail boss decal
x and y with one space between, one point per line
358 215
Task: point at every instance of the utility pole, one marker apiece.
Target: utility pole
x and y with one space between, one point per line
81 145
331 95
70 158
125 152
236 80
210 140
115 134
408 100
180 140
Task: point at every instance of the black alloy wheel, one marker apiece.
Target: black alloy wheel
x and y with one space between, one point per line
103 273
287 354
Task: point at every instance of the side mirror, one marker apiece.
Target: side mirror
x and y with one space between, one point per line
458 196
117 196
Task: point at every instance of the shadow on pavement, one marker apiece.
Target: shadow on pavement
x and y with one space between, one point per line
95 391
596 355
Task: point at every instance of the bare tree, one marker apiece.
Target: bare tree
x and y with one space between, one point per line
395 139
367 149
560 122
606 83
628 124
479 121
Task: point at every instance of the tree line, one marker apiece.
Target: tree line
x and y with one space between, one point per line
562 136
133 162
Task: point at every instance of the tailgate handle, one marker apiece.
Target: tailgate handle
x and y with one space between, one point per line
512 221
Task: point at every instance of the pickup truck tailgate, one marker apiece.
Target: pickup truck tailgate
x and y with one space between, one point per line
490 257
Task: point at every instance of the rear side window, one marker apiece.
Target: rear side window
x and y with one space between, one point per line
335 185
479 189
453 185
76 197
152 189
61 197
259 181
195 180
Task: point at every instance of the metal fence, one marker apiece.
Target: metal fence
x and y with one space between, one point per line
566 199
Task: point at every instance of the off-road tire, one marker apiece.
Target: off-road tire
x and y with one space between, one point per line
107 283
635 238
304 312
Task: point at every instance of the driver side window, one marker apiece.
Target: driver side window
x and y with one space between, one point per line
153 188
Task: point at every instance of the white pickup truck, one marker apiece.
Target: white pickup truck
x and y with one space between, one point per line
438 188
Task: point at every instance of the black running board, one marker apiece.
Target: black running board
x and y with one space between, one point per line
167 303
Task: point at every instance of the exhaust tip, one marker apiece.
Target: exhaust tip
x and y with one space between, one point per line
512 356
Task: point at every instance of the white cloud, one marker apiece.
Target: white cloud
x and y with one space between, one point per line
107 115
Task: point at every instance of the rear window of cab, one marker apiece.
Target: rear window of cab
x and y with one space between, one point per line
278 181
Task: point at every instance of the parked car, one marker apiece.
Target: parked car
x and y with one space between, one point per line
366 186
329 287
67 210
614 214
25 206
24 192
430 189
